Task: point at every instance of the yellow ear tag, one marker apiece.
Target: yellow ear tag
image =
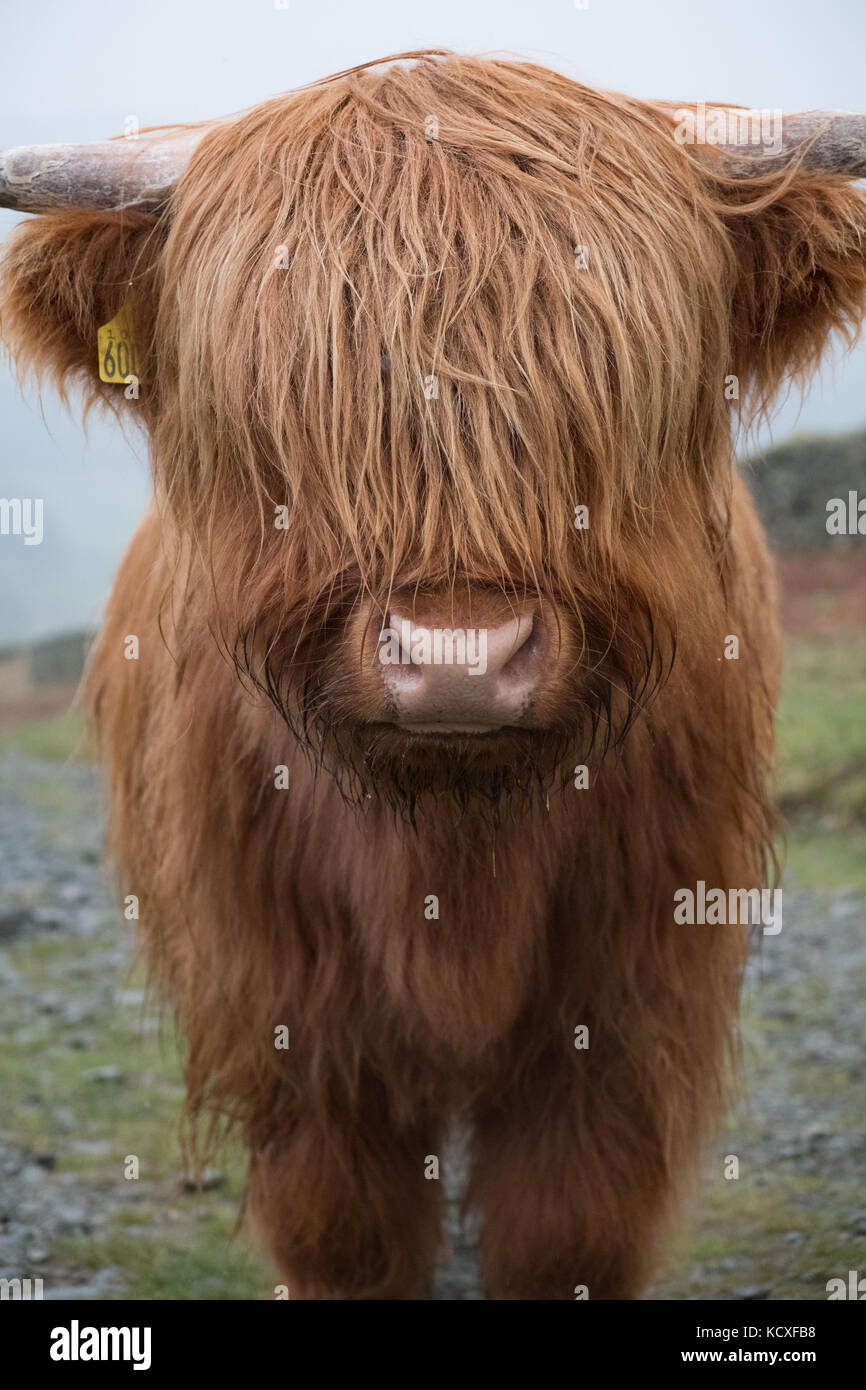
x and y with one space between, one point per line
118 357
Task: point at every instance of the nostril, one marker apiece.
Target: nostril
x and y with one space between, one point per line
395 653
524 664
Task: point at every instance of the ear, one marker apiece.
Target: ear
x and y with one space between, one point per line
800 246
64 275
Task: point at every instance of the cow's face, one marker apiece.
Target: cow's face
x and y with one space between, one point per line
463 371
440 369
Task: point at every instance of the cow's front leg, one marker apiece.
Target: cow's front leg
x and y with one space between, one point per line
343 1205
575 1169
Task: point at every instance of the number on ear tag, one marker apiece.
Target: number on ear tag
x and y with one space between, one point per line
118 357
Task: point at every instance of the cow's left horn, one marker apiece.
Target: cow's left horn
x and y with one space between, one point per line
831 142
131 172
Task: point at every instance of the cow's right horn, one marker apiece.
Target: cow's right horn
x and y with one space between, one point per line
131 172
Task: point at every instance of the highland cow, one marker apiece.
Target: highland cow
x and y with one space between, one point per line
444 344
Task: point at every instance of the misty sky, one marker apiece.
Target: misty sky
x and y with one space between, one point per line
78 71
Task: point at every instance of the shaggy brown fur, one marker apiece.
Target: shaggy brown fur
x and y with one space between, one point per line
304 386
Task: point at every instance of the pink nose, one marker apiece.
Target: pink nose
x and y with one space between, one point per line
461 679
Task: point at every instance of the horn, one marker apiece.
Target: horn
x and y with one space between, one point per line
828 142
136 172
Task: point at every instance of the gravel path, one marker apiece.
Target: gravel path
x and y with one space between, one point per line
796 1217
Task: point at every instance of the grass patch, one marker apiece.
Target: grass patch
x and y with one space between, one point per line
61 738
826 858
208 1260
779 1232
165 1243
46 1058
822 721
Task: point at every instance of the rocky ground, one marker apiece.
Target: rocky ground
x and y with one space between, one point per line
88 1078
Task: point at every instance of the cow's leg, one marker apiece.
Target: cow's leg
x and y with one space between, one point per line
342 1203
579 1156
570 1195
